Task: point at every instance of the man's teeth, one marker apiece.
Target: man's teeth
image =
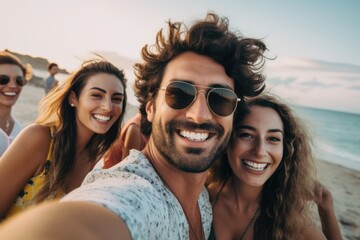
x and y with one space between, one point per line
10 93
255 166
194 136
101 118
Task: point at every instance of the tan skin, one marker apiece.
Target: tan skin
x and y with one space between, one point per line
76 217
232 213
19 155
130 137
185 186
26 158
325 204
258 142
133 134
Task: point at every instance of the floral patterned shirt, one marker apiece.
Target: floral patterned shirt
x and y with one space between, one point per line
135 192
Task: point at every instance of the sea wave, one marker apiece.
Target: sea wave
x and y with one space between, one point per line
337 156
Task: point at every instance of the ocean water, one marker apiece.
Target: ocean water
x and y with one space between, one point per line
336 135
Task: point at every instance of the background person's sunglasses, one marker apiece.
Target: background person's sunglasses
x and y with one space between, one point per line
180 95
5 79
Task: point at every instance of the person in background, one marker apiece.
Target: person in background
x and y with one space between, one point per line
262 187
78 122
132 136
13 76
189 85
50 81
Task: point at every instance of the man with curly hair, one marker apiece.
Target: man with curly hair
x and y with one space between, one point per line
189 85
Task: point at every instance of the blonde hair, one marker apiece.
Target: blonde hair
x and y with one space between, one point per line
56 112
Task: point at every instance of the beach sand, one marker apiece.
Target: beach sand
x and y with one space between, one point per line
344 183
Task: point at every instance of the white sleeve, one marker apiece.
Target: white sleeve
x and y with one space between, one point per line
133 199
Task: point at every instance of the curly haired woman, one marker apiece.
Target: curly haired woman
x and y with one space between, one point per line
262 187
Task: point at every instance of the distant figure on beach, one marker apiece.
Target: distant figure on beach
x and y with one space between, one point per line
189 84
78 122
50 81
132 136
13 76
262 186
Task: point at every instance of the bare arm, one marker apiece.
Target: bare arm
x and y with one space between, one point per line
329 223
132 140
66 220
22 160
311 232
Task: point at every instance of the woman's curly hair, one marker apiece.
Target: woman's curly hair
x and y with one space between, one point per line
242 58
285 196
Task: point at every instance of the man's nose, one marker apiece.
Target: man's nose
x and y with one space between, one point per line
199 110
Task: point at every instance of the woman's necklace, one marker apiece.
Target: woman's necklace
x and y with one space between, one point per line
252 218
7 126
249 224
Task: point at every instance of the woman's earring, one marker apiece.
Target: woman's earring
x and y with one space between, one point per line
72 105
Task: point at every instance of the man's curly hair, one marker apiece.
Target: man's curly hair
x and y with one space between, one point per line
242 58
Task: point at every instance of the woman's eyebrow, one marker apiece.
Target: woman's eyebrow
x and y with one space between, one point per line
104 91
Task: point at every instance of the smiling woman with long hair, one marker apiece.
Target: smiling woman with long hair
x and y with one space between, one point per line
13 76
262 188
78 122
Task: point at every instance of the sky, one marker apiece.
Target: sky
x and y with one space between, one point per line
316 44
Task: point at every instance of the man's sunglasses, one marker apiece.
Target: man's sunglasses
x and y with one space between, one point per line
5 79
180 95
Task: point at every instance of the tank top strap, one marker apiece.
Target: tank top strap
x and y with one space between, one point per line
220 190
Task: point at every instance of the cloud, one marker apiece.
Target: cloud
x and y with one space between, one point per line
317 65
355 87
317 83
351 78
279 81
314 65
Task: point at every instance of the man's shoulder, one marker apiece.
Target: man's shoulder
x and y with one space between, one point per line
135 167
49 78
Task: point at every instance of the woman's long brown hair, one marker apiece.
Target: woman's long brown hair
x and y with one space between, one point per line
56 112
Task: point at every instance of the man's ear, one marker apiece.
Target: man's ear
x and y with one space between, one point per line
72 100
150 111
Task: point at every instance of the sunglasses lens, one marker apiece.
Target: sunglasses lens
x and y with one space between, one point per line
4 79
222 101
180 95
20 81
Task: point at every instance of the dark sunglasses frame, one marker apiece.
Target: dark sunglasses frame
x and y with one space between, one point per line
5 79
214 109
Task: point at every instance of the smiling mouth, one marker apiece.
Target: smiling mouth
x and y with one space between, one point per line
194 136
10 94
255 166
102 118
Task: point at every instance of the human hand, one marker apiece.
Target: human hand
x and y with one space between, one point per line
323 198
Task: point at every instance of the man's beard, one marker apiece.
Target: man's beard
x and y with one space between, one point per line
198 161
